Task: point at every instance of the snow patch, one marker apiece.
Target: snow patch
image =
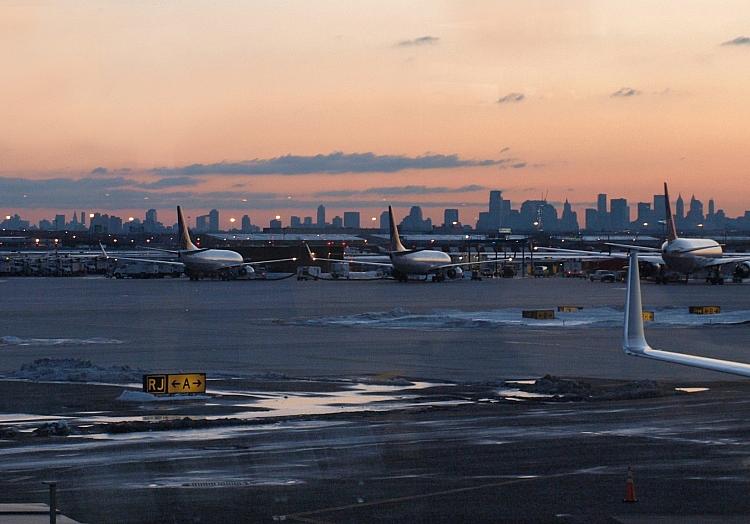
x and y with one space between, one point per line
400 318
129 395
10 340
75 370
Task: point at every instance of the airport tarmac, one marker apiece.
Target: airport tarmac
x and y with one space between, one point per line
369 401
317 328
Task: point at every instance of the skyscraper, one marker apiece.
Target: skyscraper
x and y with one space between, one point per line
385 221
351 219
619 216
247 227
660 208
213 220
679 208
321 216
450 217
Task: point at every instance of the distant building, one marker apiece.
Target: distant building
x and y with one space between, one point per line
337 222
201 223
351 219
247 227
569 218
275 223
450 218
59 224
415 223
643 213
213 221
592 219
619 216
321 218
307 222
385 221
294 221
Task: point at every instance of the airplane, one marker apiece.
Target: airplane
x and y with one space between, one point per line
679 254
199 262
634 340
405 262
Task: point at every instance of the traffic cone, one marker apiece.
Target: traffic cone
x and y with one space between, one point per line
630 488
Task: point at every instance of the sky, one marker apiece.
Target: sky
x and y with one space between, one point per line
272 107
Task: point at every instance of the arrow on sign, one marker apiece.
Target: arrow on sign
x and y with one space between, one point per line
197 383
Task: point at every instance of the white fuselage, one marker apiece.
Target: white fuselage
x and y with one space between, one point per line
688 255
210 260
418 262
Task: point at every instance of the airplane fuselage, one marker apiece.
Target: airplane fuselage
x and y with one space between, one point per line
688 255
418 262
210 260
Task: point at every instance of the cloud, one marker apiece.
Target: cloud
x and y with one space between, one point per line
420 41
112 193
511 98
332 163
402 190
99 171
625 92
164 183
740 40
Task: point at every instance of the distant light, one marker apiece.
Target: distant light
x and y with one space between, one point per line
36 240
130 219
278 217
7 217
115 240
56 241
455 223
373 219
91 215
233 220
147 240
244 199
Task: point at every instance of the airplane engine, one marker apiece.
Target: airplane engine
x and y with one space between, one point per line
742 270
248 271
455 272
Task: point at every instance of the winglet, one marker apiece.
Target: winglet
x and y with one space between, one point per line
634 339
185 242
309 252
396 244
671 229
101 246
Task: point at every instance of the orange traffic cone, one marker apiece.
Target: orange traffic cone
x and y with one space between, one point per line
630 488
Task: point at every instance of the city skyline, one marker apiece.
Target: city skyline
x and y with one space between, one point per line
125 106
606 214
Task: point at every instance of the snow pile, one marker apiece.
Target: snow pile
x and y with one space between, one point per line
10 340
75 370
53 429
139 396
400 318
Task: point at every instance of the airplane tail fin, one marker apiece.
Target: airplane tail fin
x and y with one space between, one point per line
185 242
396 244
671 229
634 341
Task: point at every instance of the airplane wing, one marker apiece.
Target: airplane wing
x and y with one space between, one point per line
134 259
259 262
634 339
727 259
473 263
354 261
580 254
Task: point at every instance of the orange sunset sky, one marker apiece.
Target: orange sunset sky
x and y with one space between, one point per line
105 105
